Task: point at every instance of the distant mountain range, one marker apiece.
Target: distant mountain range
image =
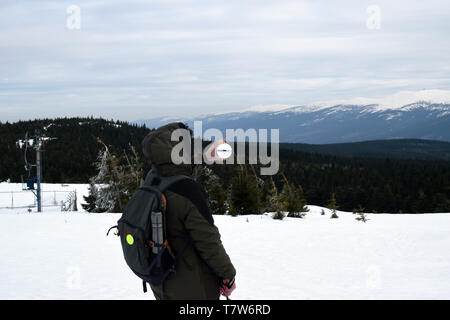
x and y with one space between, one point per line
334 124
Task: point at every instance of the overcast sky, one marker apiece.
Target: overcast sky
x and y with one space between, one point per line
136 59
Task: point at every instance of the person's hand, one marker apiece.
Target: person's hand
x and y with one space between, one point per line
227 287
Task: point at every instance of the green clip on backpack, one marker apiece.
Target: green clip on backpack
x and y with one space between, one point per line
142 231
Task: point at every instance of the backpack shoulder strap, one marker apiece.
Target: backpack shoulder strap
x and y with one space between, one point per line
154 180
166 182
162 183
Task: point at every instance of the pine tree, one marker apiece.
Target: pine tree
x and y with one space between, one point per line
333 206
131 170
91 199
278 215
361 216
274 202
245 193
118 176
273 199
108 193
229 202
293 200
134 167
214 188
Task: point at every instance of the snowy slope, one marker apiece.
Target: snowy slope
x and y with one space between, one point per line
54 255
13 196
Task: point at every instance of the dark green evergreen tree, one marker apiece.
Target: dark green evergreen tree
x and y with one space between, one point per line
293 200
216 193
91 199
245 193
361 215
333 206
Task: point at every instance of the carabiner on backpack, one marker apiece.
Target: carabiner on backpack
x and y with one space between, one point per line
117 233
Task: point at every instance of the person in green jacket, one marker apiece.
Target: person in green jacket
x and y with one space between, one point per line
204 270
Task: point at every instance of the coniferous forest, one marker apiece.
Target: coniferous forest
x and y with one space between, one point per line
375 184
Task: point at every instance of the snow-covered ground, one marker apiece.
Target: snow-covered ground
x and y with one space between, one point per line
12 196
66 255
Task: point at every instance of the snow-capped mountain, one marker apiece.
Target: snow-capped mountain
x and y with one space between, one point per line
335 123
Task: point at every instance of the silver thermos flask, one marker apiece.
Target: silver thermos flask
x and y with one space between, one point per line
157 231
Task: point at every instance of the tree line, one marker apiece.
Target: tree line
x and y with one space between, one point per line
377 185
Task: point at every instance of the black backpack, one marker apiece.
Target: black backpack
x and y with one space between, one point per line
142 231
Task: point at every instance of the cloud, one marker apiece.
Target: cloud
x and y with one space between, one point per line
142 58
